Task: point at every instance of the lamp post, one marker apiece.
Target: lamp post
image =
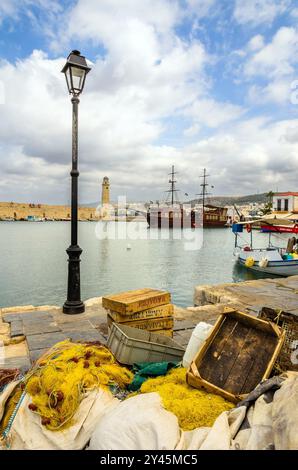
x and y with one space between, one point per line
75 71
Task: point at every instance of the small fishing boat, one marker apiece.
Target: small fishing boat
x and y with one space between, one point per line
293 228
34 218
271 260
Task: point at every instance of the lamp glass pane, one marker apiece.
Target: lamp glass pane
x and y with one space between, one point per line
78 76
68 79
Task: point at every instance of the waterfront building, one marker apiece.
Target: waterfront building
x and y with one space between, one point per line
285 202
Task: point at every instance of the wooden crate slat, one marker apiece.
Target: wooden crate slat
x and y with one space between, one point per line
265 348
136 301
229 355
243 364
150 325
216 347
161 311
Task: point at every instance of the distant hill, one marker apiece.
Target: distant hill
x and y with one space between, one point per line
90 204
220 201
238 200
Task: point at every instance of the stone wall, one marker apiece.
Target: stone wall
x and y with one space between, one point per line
21 211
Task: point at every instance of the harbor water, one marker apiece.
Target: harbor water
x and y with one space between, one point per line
34 262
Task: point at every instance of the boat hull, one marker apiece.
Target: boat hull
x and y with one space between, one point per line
279 229
278 268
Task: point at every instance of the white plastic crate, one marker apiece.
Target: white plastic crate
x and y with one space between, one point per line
130 345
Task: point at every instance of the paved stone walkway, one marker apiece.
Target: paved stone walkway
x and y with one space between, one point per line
40 330
251 296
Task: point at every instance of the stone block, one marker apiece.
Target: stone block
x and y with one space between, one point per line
36 354
76 325
44 341
40 327
85 336
22 363
16 328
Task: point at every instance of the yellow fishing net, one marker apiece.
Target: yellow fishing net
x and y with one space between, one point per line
193 408
59 380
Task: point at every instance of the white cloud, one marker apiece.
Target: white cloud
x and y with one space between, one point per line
147 74
278 91
211 113
256 12
256 43
253 155
109 20
13 8
200 7
276 58
121 114
271 67
7 9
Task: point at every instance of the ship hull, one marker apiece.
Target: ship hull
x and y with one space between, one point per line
181 219
172 219
215 224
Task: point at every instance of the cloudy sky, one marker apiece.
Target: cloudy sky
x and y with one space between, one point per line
195 83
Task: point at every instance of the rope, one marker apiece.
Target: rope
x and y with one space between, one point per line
6 431
277 318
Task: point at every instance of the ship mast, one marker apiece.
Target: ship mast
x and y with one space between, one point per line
204 187
172 182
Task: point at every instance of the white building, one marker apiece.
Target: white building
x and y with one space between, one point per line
285 202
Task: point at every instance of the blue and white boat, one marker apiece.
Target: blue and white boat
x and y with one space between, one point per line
34 218
271 260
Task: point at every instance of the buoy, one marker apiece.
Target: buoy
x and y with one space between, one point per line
263 263
249 262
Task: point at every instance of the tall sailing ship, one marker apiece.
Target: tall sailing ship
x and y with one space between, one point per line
214 216
172 214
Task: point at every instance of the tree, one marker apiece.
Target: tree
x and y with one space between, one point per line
267 209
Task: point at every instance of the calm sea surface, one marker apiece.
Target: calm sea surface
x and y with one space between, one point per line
34 263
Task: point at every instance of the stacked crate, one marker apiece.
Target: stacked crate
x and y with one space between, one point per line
147 309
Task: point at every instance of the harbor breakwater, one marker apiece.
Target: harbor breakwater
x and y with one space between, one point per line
21 211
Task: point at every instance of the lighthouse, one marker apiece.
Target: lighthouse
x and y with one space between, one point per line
105 193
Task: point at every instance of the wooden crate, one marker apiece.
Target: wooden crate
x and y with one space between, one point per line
162 311
136 300
239 352
150 325
288 322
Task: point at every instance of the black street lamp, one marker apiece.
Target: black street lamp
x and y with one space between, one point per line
75 71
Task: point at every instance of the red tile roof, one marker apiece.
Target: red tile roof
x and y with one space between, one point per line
289 193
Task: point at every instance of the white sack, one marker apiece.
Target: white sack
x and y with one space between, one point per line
271 422
285 414
27 432
138 423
